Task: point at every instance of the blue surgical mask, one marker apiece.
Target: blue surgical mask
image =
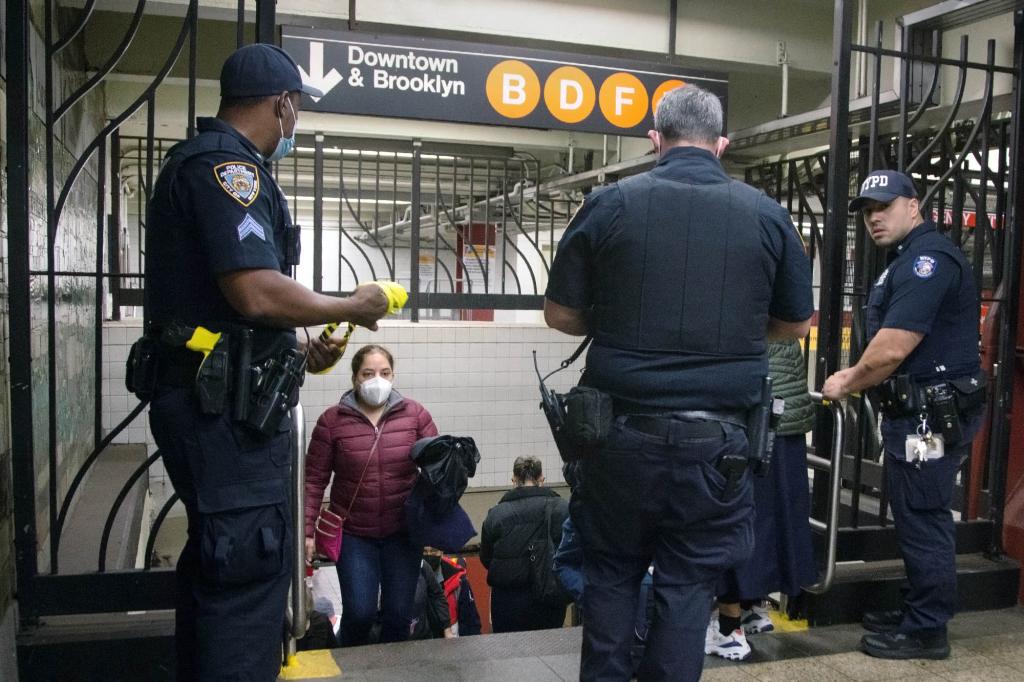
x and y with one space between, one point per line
286 144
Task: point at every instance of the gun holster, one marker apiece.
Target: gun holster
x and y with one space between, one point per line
213 381
588 416
760 435
142 368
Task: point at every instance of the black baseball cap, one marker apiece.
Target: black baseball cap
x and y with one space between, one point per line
261 69
883 186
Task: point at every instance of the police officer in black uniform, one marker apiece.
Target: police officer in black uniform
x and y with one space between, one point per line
220 248
679 274
922 325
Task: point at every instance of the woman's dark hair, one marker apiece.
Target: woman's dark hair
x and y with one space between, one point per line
357 359
527 469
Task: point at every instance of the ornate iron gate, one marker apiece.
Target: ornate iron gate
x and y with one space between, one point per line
964 156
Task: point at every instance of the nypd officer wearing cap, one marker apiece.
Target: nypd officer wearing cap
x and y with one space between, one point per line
922 325
220 248
680 274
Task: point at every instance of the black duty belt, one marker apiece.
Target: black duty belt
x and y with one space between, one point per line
674 429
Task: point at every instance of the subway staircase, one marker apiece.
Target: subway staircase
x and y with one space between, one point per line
869 575
140 645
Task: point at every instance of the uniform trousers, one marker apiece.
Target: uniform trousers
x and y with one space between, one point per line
649 498
233 573
921 498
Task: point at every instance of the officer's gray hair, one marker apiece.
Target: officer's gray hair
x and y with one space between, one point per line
689 113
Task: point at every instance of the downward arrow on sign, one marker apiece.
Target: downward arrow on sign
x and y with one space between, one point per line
316 76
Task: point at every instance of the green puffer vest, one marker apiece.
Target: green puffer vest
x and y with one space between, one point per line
786 366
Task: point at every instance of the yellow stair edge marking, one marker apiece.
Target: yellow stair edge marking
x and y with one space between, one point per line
783 623
309 665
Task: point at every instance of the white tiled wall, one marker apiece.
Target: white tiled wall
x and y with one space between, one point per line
475 378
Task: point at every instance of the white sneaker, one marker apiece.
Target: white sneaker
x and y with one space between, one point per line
756 620
713 634
733 647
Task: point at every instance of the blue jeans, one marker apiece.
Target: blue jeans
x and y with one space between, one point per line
645 499
367 566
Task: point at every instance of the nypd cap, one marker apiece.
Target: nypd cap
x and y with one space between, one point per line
883 186
261 69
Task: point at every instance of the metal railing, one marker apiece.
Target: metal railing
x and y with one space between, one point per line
834 467
299 621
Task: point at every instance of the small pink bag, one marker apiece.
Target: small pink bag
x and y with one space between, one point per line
328 534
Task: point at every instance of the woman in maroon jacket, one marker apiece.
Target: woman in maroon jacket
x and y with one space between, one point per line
365 441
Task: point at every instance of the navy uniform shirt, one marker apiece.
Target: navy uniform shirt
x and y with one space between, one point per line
928 288
670 379
214 210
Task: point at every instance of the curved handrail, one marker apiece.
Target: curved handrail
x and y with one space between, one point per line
834 467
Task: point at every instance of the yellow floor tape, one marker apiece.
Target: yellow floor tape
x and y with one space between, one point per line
783 623
309 665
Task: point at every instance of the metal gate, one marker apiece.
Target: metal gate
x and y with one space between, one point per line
964 155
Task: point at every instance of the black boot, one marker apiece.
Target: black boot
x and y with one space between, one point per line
900 645
882 621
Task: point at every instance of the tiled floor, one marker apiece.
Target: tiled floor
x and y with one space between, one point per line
986 648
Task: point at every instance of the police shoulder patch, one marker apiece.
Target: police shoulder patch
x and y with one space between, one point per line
924 266
240 180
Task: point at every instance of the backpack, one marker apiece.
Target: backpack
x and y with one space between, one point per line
544 584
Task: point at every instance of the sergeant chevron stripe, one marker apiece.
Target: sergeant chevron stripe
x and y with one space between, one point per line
250 226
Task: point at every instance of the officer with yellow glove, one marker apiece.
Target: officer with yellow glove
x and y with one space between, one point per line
221 364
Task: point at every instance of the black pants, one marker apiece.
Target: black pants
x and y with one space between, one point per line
234 573
647 499
921 499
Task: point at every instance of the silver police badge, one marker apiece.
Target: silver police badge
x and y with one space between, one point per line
240 180
924 267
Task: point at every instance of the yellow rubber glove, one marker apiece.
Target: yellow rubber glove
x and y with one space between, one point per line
397 298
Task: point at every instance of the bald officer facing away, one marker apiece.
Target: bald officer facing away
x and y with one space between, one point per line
680 274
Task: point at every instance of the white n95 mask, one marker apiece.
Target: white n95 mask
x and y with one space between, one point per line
375 391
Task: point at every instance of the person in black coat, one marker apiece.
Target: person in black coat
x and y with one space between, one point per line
508 531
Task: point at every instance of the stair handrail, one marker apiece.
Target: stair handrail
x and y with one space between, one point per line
299 615
834 466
